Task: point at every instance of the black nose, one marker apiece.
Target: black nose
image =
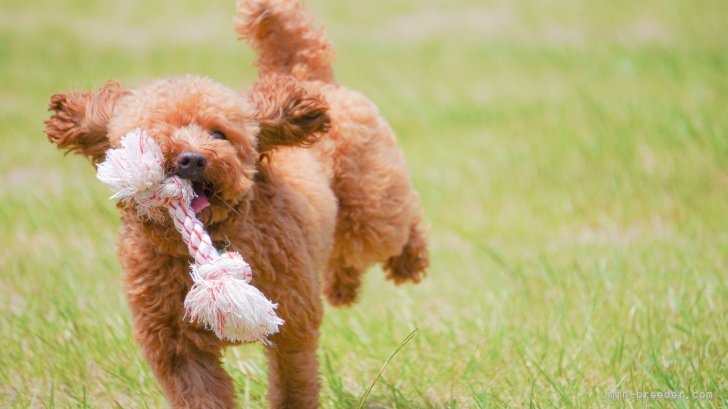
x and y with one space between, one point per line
190 165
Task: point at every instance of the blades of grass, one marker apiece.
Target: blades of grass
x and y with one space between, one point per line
52 397
480 399
401 345
525 359
340 396
246 393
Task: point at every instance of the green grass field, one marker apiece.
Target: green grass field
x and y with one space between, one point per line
572 158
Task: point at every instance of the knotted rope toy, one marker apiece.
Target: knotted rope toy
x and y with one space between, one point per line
221 297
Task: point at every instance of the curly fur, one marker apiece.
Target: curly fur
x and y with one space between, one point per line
79 124
286 113
308 180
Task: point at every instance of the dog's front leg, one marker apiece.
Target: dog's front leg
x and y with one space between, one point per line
293 373
184 359
292 362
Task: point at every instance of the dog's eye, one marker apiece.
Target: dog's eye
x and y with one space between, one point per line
218 135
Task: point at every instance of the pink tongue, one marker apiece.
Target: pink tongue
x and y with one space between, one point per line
200 201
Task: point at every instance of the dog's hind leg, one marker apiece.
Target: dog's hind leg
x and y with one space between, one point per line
411 263
377 203
378 222
341 284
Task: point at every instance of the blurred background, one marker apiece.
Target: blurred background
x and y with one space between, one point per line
571 156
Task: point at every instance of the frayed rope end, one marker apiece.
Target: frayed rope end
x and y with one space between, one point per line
222 300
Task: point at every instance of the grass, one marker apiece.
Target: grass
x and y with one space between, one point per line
572 158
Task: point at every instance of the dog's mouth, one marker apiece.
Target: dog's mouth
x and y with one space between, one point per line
201 201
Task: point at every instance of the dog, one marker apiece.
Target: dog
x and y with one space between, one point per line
299 174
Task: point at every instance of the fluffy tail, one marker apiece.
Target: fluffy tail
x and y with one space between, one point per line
282 35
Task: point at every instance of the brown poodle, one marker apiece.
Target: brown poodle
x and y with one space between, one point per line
300 175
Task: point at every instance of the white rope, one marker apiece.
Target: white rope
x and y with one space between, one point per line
221 297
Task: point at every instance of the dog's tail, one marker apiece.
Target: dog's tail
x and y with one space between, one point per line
285 40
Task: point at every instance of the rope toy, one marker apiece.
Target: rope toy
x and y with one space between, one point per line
221 297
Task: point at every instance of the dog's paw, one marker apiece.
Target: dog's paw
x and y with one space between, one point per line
411 264
342 289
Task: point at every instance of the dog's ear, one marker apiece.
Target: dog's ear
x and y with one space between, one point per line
287 113
79 120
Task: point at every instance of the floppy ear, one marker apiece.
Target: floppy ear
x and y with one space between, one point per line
287 113
79 120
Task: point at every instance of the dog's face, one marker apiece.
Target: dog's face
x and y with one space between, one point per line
208 133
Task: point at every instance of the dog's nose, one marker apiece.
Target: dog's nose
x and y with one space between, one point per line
190 165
